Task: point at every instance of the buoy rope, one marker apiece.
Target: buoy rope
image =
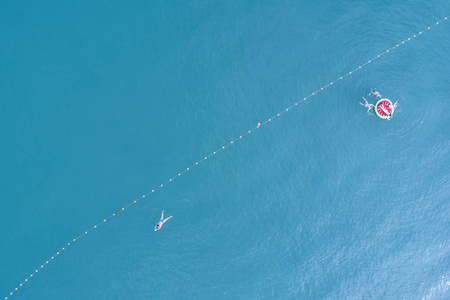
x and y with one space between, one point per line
217 151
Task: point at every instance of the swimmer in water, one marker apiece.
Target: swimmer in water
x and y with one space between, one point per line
393 106
391 110
367 104
375 93
161 222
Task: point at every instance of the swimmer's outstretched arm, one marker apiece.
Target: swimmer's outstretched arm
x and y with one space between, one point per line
167 218
162 215
367 103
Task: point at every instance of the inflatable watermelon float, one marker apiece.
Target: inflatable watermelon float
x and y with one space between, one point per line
382 109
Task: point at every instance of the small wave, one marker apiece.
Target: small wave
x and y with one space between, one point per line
440 289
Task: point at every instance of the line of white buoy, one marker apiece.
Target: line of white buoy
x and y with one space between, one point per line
217 151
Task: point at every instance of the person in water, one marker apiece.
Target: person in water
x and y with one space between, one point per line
375 93
391 110
161 222
393 106
367 104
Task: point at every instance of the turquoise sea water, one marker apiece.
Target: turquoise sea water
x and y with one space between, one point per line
100 102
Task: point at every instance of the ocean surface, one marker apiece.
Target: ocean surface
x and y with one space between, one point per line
103 101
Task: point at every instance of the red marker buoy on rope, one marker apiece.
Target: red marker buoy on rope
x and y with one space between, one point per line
258 124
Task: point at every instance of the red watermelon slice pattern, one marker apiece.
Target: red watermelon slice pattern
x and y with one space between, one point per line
385 105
